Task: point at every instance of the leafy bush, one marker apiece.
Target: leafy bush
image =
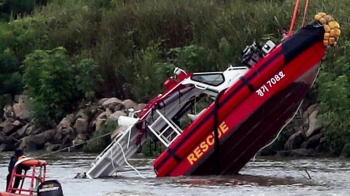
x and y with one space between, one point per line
334 94
52 85
49 82
152 148
102 138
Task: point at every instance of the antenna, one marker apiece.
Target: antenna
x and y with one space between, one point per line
281 30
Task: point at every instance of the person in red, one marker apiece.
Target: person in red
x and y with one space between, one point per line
18 153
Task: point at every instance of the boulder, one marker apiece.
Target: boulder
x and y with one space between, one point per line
305 118
2 137
10 127
82 114
39 139
314 124
112 103
99 123
22 131
8 112
322 146
81 125
128 103
302 152
32 130
312 108
65 131
117 131
80 139
52 147
105 115
313 142
7 146
66 122
294 141
58 138
42 138
28 144
101 101
21 109
117 114
139 106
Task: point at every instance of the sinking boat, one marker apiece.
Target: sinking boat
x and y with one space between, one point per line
250 104
37 184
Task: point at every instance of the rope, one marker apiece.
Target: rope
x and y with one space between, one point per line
295 15
318 71
307 3
279 132
126 161
104 135
216 133
63 149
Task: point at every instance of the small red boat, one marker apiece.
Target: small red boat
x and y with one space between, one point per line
36 175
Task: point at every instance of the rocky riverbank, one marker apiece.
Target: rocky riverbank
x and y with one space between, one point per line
304 135
17 131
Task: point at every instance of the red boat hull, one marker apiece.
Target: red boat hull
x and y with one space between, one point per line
242 143
250 112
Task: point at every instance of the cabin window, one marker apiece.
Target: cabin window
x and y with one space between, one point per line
213 79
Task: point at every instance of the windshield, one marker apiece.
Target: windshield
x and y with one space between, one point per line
214 79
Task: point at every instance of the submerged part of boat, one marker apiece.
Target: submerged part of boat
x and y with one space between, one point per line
250 104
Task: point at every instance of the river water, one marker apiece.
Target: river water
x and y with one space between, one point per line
262 177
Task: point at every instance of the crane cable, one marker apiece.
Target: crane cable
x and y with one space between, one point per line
295 15
307 3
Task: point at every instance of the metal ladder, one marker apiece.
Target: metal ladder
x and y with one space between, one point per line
115 156
164 129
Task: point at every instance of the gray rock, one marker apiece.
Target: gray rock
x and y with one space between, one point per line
314 124
313 142
302 152
8 112
101 101
139 106
2 137
21 109
128 103
111 103
117 131
117 114
32 130
22 131
81 125
294 141
79 140
52 147
66 122
99 123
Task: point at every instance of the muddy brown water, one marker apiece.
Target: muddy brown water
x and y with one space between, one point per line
265 176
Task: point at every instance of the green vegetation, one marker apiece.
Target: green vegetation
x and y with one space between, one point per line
54 83
101 139
71 51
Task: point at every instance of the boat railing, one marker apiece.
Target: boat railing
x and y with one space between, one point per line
164 135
